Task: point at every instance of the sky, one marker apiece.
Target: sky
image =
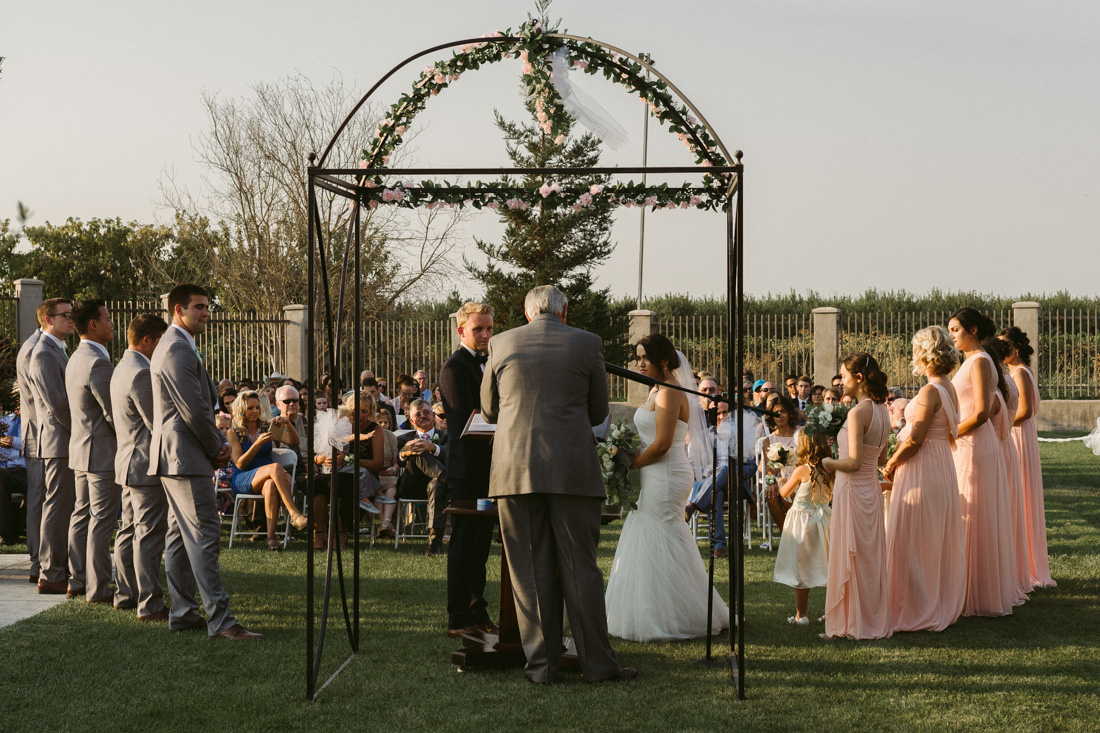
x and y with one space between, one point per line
889 145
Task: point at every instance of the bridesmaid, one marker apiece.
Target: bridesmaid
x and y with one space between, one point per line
986 512
856 597
1027 446
925 545
1010 396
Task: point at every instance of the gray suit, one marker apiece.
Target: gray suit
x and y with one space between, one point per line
545 386
183 446
36 487
92 448
53 420
140 542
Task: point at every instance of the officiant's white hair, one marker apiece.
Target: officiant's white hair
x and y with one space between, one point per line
545 299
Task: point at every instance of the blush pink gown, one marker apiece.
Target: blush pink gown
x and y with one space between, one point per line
1015 489
925 546
1031 475
856 596
986 510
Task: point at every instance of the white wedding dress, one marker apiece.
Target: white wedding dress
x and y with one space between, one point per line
658 585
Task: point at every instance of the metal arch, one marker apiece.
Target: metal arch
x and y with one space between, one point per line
507 39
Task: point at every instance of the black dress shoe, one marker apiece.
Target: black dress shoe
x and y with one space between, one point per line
459 633
161 615
435 547
625 675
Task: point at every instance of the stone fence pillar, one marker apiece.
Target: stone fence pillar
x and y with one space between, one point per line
296 342
1025 316
167 314
826 344
455 340
642 323
29 292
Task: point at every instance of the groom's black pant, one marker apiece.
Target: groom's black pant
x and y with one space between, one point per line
471 541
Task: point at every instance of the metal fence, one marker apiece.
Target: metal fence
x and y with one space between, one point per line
1069 351
889 338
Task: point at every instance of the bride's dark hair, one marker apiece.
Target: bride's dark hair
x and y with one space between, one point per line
658 349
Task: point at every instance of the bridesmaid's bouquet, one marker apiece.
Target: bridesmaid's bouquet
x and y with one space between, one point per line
616 452
825 420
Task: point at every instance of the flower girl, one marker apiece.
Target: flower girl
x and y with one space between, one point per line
803 559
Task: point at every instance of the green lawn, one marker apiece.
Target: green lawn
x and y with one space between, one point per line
81 668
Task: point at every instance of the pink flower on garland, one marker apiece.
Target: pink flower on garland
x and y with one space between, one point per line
559 139
651 201
544 189
387 195
586 199
596 189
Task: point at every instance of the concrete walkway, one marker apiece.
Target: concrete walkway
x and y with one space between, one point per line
19 599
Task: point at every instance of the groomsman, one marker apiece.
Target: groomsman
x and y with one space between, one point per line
802 394
185 448
92 447
28 435
468 465
46 373
140 542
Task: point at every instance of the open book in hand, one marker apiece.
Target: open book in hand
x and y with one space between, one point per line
476 427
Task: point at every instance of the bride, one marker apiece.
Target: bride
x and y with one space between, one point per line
658 585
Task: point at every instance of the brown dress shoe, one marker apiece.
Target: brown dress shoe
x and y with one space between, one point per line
720 553
459 633
74 592
161 615
236 632
199 625
45 586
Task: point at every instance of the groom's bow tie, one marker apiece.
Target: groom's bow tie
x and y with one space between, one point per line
481 358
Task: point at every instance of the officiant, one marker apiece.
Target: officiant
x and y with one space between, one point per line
467 474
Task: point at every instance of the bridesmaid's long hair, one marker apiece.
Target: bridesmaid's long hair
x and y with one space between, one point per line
1019 339
811 450
999 350
875 379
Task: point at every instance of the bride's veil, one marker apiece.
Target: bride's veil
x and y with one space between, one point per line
700 450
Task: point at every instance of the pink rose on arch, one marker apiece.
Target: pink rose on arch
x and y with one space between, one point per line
544 189
694 201
546 127
582 64
555 187
559 139
692 121
363 163
685 205
596 189
706 163
523 55
528 69
435 92
494 205
439 79
385 159
400 130
577 207
387 195
586 199
398 195
541 116
682 136
430 206
650 200
512 203
373 204
670 205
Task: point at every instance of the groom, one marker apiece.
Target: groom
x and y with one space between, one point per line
545 386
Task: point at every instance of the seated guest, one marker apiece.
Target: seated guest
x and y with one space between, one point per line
13 471
245 384
383 390
269 394
360 429
847 400
893 393
225 400
897 414
421 378
370 384
386 500
224 384
802 393
290 403
251 441
838 384
817 395
423 454
440 418
326 387
320 402
364 376
408 390
830 396
791 383
759 392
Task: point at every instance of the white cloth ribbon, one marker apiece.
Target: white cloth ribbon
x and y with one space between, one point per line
582 107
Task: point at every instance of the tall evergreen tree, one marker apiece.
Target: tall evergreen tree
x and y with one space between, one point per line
552 245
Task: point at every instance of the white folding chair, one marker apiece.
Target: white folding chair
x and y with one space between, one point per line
763 515
286 458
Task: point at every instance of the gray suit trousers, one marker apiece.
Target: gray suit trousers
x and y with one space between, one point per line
57 512
546 535
104 499
191 556
78 532
36 491
138 551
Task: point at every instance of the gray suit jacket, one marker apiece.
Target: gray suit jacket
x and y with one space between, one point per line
185 439
132 405
92 446
545 386
51 402
29 430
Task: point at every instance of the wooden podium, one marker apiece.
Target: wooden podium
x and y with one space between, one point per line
503 649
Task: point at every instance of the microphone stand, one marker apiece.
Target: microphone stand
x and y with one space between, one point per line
712 420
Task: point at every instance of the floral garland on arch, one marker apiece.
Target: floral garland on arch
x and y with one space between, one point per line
533 47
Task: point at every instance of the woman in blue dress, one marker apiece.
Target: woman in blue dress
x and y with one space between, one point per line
257 472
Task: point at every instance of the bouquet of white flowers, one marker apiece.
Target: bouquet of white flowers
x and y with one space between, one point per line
778 455
825 419
616 453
